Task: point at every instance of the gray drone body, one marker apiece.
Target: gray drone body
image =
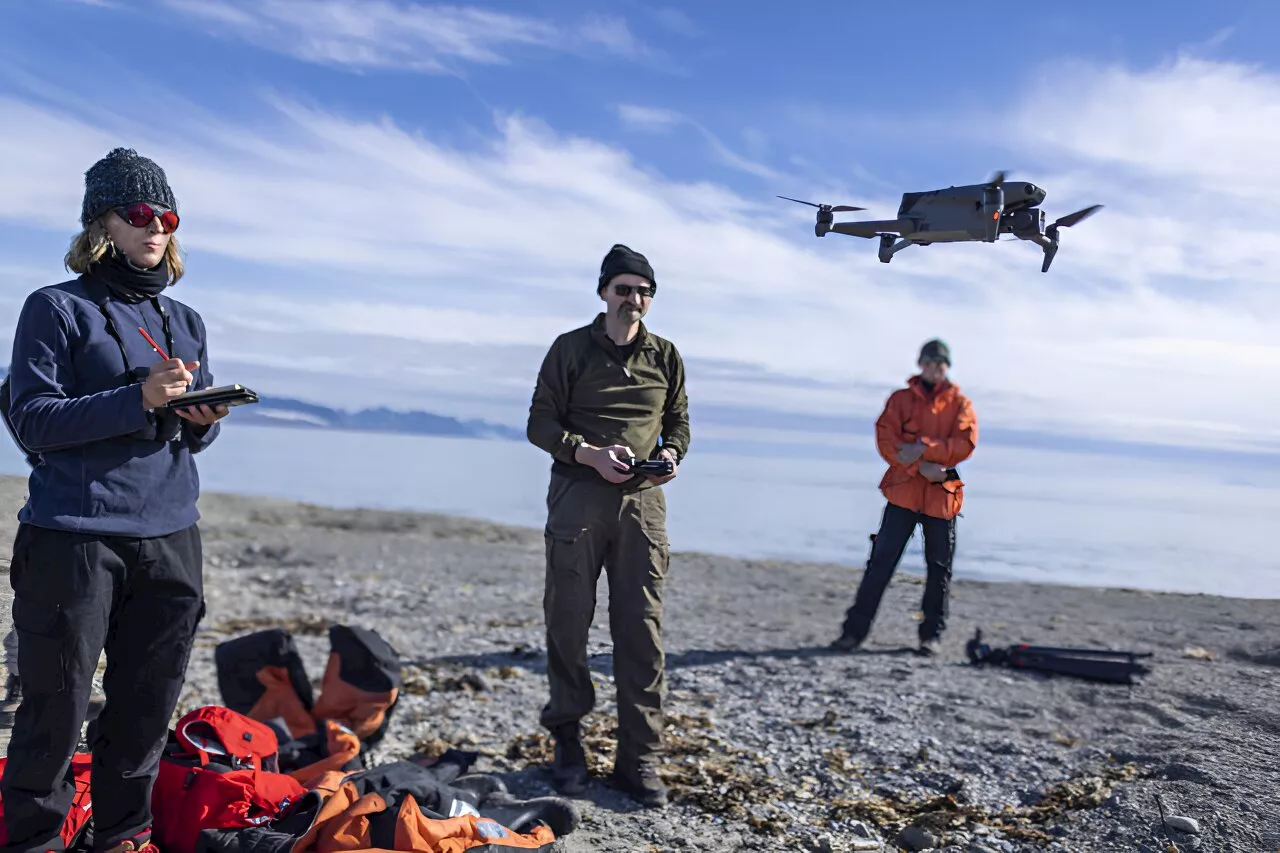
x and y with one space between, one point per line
971 213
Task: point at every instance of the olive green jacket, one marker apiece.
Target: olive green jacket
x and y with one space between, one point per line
587 393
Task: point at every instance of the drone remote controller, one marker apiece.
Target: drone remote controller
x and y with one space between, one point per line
649 467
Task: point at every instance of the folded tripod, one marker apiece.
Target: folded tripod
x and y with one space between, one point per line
1107 665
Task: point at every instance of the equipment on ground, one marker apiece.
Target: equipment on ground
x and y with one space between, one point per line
969 213
1107 665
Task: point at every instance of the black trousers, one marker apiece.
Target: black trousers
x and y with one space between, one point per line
75 594
897 526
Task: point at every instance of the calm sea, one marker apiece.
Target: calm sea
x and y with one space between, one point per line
1031 515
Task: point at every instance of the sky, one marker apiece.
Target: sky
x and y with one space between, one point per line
396 203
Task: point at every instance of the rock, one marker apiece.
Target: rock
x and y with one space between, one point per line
915 838
1187 825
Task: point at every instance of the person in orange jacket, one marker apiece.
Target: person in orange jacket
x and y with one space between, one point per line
926 430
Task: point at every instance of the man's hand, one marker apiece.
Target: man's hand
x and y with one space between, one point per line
675 469
203 415
166 380
933 472
908 453
606 460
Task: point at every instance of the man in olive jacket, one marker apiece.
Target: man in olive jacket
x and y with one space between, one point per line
608 391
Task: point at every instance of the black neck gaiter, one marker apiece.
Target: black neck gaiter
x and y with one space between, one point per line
129 283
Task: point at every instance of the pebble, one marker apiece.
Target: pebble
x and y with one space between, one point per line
1188 825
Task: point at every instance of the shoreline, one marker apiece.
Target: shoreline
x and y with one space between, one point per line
906 569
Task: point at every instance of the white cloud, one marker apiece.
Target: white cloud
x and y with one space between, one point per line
365 34
661 120
1153 326
648 118
1198 127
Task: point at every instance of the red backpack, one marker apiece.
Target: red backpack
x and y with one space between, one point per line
219 770
78 816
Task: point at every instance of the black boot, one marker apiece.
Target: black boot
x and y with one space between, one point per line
640 782
12 699
569 766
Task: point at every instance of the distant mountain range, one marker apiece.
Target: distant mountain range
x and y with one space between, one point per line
298 414
287 412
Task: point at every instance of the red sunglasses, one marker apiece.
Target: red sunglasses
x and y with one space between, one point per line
140 214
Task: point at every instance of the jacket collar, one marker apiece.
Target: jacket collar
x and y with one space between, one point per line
601 337
945 391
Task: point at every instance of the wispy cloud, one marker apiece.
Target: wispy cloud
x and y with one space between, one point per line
660 119
369 236
1203 127
371 34
649 118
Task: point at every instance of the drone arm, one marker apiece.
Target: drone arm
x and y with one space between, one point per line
872 228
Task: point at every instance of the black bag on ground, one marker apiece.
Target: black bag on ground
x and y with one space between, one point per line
261 675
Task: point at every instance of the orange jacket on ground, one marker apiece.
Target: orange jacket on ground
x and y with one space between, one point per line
944 421
345 823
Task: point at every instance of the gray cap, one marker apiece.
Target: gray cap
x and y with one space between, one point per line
935 349
121 178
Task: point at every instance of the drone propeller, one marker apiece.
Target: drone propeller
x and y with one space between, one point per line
1064 222
997 179
1074 218
839 208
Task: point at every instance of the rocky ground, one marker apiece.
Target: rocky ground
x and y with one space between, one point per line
775 743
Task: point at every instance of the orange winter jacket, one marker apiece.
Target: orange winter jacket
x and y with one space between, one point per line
944 421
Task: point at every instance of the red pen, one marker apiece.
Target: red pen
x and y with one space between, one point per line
155 346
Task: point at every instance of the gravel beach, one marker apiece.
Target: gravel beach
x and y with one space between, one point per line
774 742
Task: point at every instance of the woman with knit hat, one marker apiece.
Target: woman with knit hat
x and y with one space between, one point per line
107 553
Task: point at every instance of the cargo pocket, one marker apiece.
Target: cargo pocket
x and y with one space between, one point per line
653 524
176 618
566 519
42 645
954 490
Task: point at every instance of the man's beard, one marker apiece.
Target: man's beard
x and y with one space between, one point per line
629 312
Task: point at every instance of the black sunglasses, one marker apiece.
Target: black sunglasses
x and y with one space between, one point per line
627 289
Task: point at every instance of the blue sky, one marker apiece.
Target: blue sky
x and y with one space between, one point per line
403 203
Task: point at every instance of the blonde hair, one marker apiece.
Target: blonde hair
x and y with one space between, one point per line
88 247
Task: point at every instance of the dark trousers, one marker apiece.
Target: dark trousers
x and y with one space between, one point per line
897 526
75 594
591 525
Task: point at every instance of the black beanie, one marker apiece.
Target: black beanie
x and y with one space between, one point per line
623 259
121 178
936 349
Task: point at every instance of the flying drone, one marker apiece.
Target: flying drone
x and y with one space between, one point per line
974 212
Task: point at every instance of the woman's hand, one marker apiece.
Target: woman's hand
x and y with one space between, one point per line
203 415
166 380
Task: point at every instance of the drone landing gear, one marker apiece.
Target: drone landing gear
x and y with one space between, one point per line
1050 246
890 247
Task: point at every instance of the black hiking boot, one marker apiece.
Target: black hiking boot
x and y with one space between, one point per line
569 766
929 647
846 642
12 699
640 783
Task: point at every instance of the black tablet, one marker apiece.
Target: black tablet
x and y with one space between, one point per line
223 395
